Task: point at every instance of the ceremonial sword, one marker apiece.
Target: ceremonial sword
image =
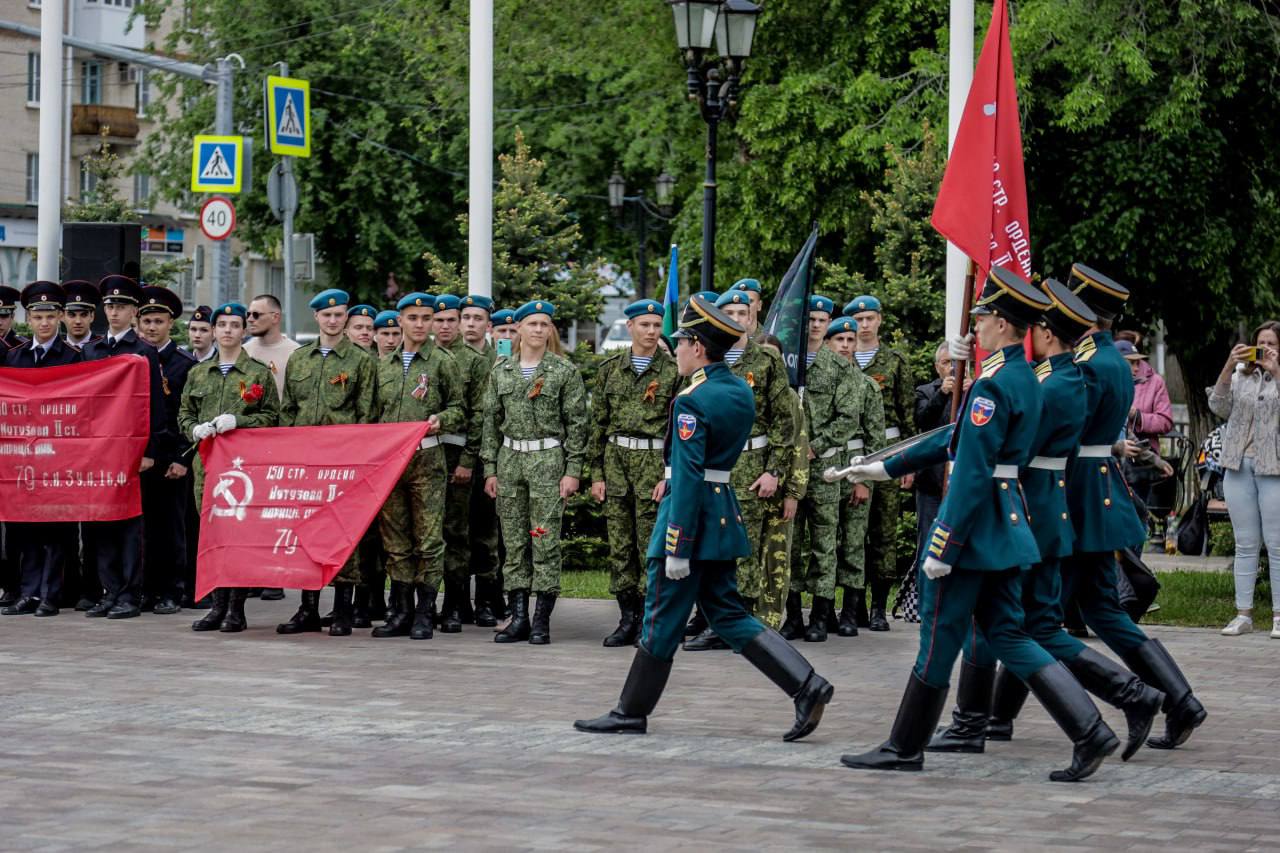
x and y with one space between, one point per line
832 474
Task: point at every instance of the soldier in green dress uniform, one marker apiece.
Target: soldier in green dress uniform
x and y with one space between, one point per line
980 545
699 539
386 332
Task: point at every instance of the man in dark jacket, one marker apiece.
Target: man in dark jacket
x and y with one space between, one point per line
933 409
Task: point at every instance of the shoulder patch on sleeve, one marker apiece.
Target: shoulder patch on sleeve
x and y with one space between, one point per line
686 426
981 410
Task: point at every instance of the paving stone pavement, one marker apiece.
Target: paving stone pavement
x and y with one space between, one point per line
143 735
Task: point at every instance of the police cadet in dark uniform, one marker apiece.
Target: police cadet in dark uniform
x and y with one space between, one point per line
117 545
166 487
10 298
981 543
80 586
81 308
699 536
41 546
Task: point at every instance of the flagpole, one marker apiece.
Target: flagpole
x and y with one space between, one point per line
960 57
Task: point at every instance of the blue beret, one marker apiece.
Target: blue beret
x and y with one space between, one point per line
362 311
709 295
644 306
415 300
431 300
387 320
475 300
822 303
504 317
750 285
862 303
231 309
733 297
448 302
538 306
840 325
330 298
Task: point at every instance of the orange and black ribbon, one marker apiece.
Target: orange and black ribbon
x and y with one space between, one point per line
536 391
651 393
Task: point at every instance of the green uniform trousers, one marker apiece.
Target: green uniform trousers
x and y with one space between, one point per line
412 521
851 548
630 513
882 532
1042 618
814 542
457 521
776 564
751 569
1090 579
530 510
712 586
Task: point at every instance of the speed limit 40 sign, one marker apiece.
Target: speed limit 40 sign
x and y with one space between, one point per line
217 218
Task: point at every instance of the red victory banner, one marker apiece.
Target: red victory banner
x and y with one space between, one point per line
982 205
71 440
286 507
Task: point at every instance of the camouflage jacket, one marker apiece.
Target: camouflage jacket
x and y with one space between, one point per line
890 370
431 386
796 483
474 369
339 388
766 374
831 395
550 404
626 403
870 428
208 394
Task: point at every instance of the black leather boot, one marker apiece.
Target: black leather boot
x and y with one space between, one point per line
501 610
402 615
770 653
917 717
793 626
212 620
833 618
343 614
395 599
517 629
628 625
234 622
860 607
360 608
1007 699
848 624
451 613
640 693
818 614
1074 712
377 586
968 729
423 612
707 641
1120 688
540 631
308 616
696 625
486 596
1183 712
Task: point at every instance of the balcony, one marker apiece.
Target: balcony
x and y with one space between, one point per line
120 123
108 21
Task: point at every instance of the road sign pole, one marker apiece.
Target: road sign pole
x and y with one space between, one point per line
222 124
286 167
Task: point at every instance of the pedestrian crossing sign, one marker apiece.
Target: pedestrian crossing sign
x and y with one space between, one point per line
289 116
217 164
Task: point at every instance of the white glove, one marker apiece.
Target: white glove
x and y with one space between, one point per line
224 423
872 472
960 347
935 568
677 568
202 431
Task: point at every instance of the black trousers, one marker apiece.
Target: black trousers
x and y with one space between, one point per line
117 545
165 534
43 549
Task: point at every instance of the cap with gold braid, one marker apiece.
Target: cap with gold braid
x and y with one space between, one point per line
1104 295
1011 296
1069 318
707 323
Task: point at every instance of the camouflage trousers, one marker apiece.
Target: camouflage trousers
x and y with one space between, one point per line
483 528
530 511
882 531
412 521
851 545
630 513
751 569
814 542
775 566
468 528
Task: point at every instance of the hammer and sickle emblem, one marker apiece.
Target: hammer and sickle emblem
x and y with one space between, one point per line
225 489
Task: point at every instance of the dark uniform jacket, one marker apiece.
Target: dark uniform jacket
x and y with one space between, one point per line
1061 420
60 352
12 340
130 344
175 364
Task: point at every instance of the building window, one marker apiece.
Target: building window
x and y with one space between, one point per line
88 181
33 178
33 79
90 82
142 91
142 191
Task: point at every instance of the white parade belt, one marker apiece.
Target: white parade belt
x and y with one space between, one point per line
827 454
892 432
1005 472
1095 451
455 440
755 443
527 446
855 444
1049 463
629 443
710 475
429 442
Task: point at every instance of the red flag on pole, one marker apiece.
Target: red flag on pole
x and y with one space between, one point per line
982 204
286 507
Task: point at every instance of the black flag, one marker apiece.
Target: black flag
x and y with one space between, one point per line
788 318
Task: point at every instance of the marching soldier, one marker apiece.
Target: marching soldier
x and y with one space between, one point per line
386 331
9 300
892 372
82 305
41 546
633 388
535 442
980 544
417 382
360 326
331 380
490 607
166 487
232 391
699 541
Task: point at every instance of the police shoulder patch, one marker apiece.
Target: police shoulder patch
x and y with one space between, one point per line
981 410
686 426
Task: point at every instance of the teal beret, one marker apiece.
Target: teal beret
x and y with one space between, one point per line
362 311
840 325
232 309
504 317
387 320
475 300
750 285
414 300
330 298
643 307
538 306
822 303
733 297
860 304
448 302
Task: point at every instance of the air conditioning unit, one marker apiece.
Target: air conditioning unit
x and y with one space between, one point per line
128 73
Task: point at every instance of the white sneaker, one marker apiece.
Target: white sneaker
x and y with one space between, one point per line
1244 625
1275 627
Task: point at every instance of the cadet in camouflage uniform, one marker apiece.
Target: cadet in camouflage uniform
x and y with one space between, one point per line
633 389
891 371
535 443
328 381
779 523
230 391
417 382
767 454
831 392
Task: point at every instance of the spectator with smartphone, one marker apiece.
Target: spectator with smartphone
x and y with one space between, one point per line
1246 395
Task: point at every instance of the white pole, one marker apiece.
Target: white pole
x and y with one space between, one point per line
961 76
49 223
480 173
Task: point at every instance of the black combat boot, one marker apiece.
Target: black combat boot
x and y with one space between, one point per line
423 612
860 607
707 641
879 595
787 668
486 595
1074 712
628 623
308 616
968 729
848 624
517 629
696 625
235 622
377 586
540 632
1119 687
343 615
395 599
644 685
917 717
212 620
1007 699
833 618
402 615
1183 712
818 614
451 613
793 625
360 608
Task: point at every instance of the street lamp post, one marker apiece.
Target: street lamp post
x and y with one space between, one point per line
713 82
643 212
